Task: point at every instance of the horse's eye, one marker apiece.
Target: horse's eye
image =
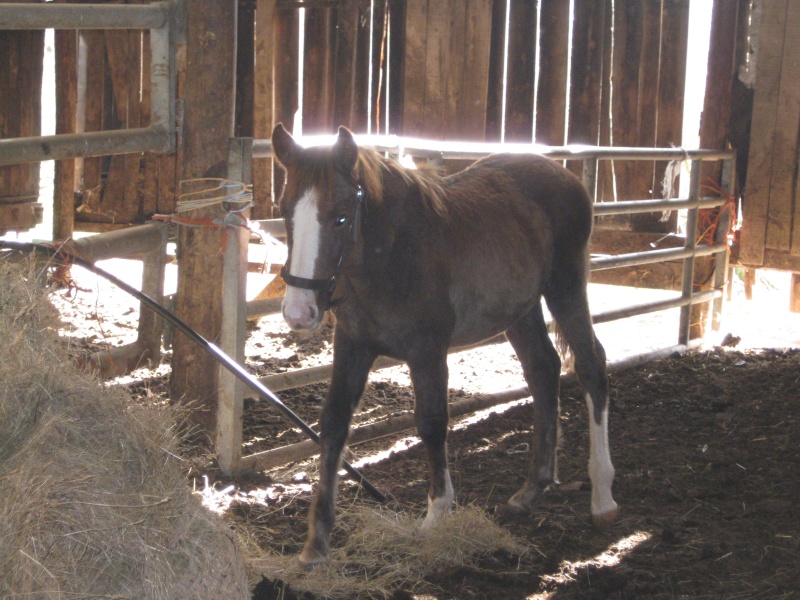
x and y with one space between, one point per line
340 220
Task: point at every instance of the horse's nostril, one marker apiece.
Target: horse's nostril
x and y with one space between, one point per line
313 313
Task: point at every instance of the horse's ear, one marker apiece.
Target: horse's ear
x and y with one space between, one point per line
284 148
345 151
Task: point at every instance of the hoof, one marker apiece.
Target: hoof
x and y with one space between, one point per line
603 520
310 559
516 507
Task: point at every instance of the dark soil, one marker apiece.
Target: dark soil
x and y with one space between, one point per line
706 449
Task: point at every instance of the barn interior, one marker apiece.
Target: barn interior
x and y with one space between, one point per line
124 126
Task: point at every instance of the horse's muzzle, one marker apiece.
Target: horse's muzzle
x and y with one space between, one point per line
300 310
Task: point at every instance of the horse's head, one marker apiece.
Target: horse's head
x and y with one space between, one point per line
322 205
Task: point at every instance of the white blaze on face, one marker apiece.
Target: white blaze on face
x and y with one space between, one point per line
300 305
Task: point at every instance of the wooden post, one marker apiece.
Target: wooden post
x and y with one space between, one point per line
207 127
233 335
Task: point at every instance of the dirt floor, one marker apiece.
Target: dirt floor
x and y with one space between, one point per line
706 449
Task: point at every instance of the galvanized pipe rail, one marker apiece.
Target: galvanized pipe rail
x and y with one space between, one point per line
162 19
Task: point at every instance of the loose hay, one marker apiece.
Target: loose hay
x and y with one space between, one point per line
92 500
383 551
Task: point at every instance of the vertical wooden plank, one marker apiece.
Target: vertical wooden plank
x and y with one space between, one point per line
245 68
20 116
586 72
66 46
438 35
345 86
91 186
765 112
285 81
414 84
782 199
672 80
262 106
455 46
637 44
120 200
641 174
606 191
551 101
471 95
494 96
395 66
376 15
716 106
353 61
207 127
522 49
318 71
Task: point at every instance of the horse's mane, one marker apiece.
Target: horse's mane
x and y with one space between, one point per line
427 181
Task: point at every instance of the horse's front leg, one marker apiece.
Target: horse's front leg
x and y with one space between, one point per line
429 377
351 366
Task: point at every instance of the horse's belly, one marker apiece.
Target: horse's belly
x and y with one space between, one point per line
480 316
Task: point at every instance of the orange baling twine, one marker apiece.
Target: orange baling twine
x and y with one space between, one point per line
708 221
234 197
196 194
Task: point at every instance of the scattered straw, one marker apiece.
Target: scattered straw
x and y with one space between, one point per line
384 551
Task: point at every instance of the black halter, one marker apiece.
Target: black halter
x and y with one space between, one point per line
327 286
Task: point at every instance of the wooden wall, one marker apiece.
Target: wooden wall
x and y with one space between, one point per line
770 234
439 69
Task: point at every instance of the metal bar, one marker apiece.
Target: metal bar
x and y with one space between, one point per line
74 145
163 76
626 207
82 16
632 259
276 228
262 148
655 306
690 244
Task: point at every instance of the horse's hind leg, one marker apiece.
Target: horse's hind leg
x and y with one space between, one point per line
541 366
569 305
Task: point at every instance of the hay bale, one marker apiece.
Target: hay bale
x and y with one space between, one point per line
92 499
